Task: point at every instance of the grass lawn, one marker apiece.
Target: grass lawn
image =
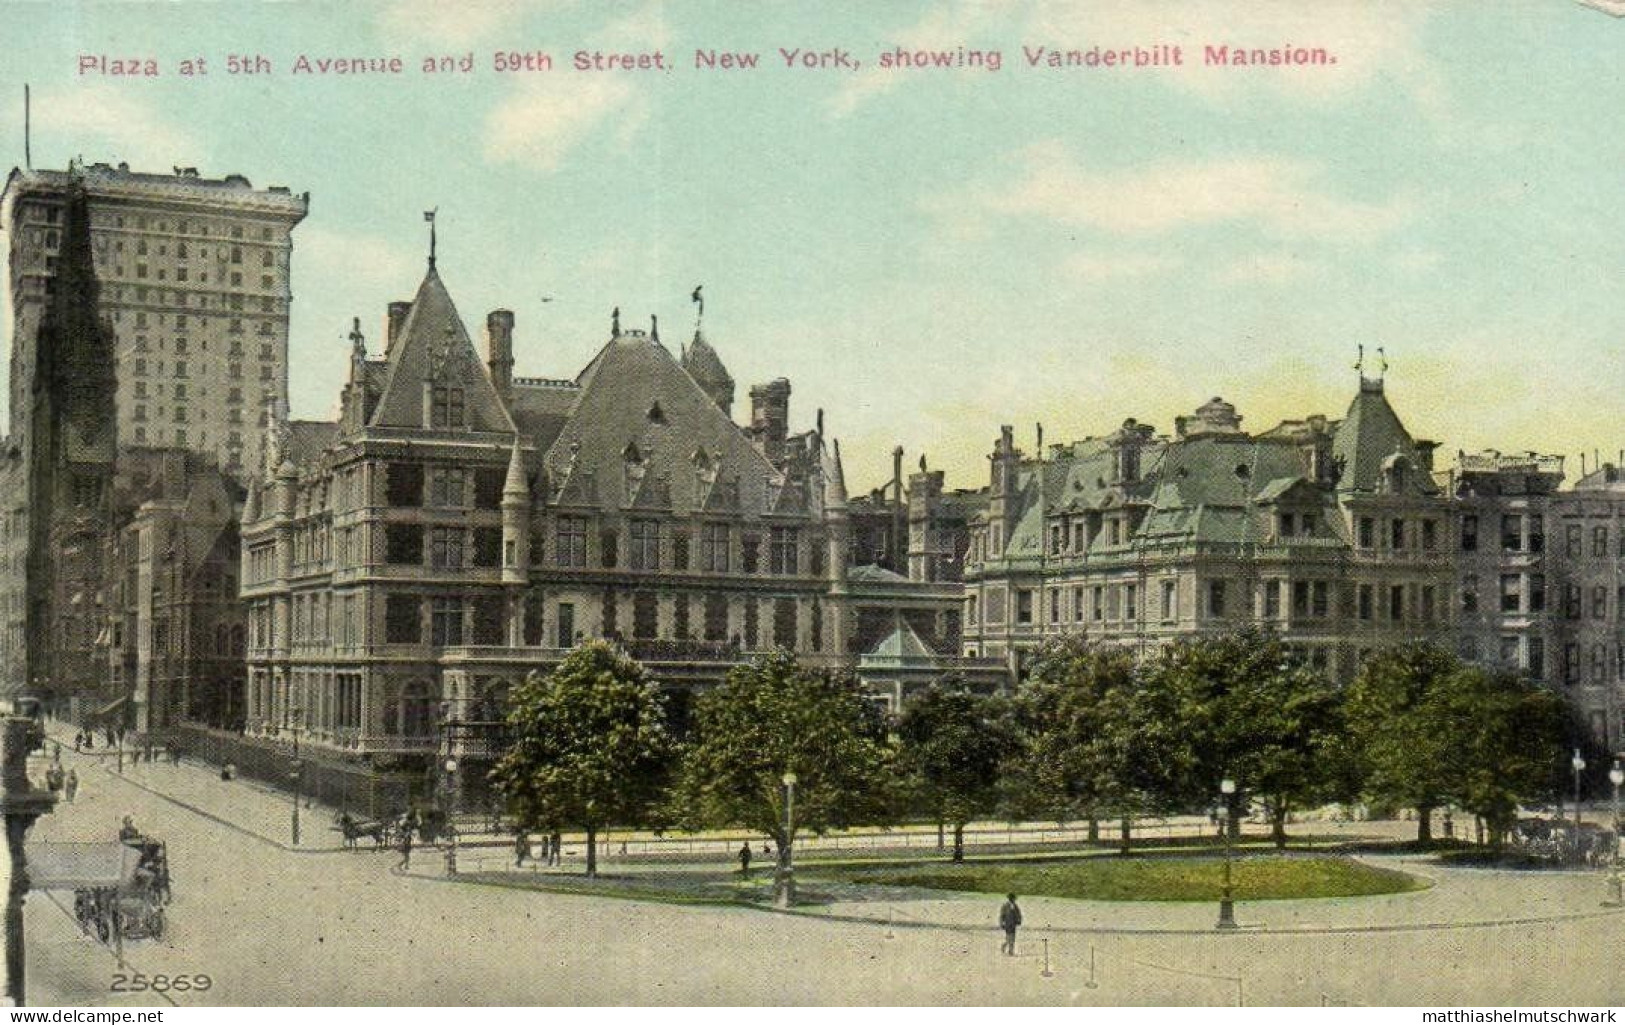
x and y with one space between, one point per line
1154 878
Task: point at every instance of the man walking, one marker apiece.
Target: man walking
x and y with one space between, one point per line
1009 921
521 847
744 859
406 845
70 785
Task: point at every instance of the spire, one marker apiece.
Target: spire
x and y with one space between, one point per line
514 486
654 328
615 322
429 216
835 478
358 342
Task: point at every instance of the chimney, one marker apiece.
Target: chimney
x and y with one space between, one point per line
499 351
397 319
770 417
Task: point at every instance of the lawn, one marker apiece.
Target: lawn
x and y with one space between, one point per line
1153 878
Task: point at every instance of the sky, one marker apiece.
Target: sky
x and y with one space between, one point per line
929 253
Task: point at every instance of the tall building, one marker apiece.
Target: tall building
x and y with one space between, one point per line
1542 578
194 285
1332 532
460 526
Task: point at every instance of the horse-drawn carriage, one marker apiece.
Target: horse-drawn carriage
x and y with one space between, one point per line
120 887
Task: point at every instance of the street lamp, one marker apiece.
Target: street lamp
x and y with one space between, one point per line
449 782
1579 765
1616 776
787 880
1227 903
294 767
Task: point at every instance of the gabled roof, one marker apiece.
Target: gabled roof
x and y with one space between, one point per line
902 645
434 346
641 429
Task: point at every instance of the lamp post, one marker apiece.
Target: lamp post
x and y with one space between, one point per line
1227 903
1579 765
294 767
448 789
787 879
1616 897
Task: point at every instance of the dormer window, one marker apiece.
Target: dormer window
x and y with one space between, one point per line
656 414
446 407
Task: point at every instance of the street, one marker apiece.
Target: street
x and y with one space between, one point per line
273 926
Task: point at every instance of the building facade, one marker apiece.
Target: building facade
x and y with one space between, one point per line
194 284
1332 532
460 526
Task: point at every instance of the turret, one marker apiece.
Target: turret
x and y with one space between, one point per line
499 351
515 519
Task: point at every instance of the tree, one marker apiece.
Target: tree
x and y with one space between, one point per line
775 717
1404 736
1075 716
1508 739
589 745
953 744
1241 705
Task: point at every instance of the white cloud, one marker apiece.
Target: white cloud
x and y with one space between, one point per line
114 122
1279 195
544 118
437 23
364 262
1100 267
968 23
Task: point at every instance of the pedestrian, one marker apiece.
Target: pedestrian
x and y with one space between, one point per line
54 779
1009 921
557 843
79 741
406 847
70 785
127 830
744 859
521 848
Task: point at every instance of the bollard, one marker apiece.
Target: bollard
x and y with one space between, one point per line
1046 972
1091 983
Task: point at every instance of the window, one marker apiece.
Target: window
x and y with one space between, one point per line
1599 542
714 547
1396 531
1430 534
1098 599
488 484
1469 593
1396 602
1537 593
446 622
1599 602
782 545
784 623
643 542
1215 598
1537 657
446 548
679 550
401 622
1170 597
446 406
1131 601
1469 533
1320 600
716 617
1512 532
1300 598
572 546
488 547
645 615
404 488
1368 532
1537 533
490 620
752 622
1511 593
403 544
566 636
1054 605
609 544
1571 601
1024 606
750 552
970 610
1572 540
1367 602
1287 523
1429 598
1571 663
446 486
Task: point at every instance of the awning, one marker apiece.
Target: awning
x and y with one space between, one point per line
112 705
80 866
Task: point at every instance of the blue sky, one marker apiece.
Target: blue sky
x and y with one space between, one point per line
929 254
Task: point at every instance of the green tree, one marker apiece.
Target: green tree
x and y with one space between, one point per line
953 744
1240 704
775 717
589 745
1404 735
1077 733
1508 738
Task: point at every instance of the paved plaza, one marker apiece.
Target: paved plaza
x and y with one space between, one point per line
275 926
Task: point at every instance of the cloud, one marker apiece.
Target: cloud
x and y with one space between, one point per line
1269 269
365 262
115 122
434 22
1279 195
544 118
960 23
1101 267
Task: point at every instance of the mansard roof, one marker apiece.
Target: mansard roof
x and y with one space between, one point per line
434 346
1367 437
642 433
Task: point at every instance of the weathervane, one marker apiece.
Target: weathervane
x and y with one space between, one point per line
429 215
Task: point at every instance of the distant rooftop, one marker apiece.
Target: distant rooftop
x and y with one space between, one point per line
181 183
